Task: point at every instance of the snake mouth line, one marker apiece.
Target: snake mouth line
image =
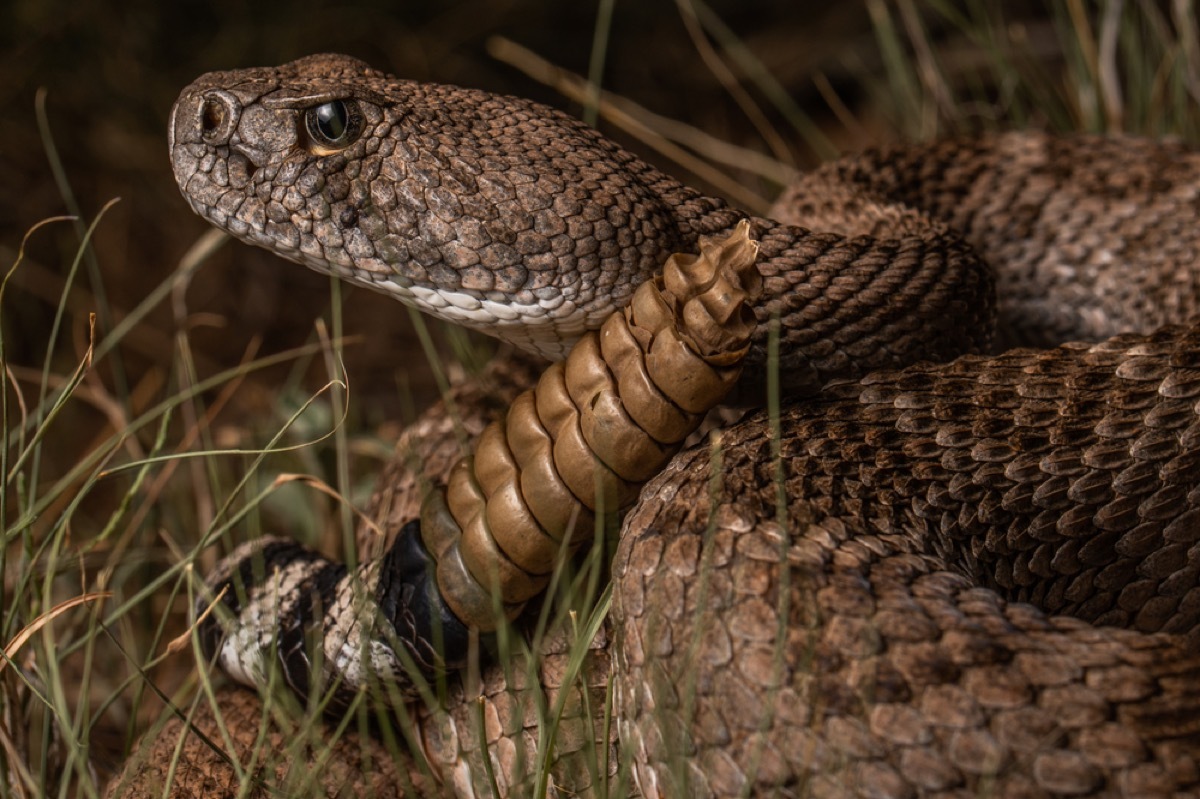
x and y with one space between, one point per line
559 319
236 227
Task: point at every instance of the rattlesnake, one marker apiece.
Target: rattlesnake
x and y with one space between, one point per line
917 508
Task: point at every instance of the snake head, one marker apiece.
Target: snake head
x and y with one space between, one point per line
284 158
488 211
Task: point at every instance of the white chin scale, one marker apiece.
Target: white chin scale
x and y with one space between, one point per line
547 327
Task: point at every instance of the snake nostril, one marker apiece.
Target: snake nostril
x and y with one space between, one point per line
212 114
217 117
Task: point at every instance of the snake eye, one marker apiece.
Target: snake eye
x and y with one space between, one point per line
333 126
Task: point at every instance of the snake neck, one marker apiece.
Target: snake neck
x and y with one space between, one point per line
857 284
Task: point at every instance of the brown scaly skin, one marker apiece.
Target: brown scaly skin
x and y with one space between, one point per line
916 513
889 675
1088 236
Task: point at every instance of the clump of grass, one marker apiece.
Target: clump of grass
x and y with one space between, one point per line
1108 67
99 560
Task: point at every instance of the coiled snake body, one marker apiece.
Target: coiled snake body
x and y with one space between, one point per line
960 577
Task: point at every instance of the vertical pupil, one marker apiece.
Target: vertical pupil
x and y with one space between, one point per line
331 120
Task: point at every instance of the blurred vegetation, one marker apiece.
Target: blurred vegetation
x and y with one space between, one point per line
88 86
